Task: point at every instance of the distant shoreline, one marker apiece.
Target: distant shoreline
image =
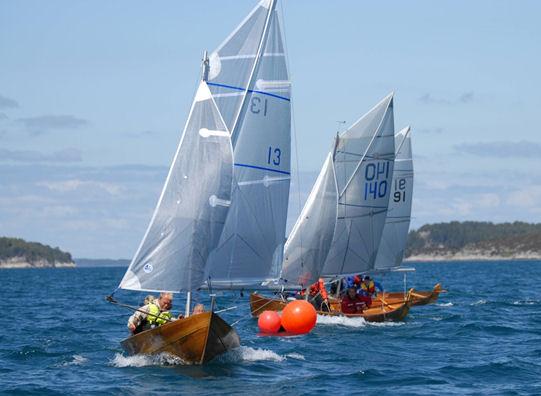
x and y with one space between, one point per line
18 263
426 258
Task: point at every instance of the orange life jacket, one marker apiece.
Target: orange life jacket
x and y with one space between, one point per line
319 287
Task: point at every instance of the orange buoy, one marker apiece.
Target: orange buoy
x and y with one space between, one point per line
299 317
269 322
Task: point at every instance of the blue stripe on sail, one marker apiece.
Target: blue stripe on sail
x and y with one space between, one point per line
250 90
262 168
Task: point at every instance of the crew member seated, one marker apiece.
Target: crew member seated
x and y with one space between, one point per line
352 303
154 313
317 296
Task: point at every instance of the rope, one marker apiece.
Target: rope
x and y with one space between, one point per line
114 302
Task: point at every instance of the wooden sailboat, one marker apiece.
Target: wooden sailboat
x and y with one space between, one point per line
418 297
379 311
223 208
196 339
339 229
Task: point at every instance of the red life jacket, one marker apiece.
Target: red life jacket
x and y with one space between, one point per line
352 305
319 287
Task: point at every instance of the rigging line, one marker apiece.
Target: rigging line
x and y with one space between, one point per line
293 123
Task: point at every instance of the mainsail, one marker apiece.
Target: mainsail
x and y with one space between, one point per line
395 233
362 162
249 81
190 214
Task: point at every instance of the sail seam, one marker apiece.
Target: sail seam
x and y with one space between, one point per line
249 91
262 168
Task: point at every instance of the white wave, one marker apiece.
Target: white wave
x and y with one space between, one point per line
449 304
526 302
386 324
479 302
248 354
341 321
163 359
294 355
77 360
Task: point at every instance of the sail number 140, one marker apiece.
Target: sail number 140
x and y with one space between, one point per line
376 175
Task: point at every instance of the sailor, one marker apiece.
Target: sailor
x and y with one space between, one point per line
318 296
369 286
354 281
155 313
199 308
352 303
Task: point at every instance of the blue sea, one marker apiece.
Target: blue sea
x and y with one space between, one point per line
59 336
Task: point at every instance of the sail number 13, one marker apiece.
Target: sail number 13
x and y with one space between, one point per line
273 157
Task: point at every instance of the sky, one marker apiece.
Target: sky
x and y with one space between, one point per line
94 96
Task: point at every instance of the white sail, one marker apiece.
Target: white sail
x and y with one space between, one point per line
190 214
364 170
395 233
251 245
339 229
232 64
310 239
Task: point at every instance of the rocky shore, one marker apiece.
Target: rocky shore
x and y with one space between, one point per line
21 262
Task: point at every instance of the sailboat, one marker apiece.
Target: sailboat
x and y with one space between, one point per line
340 227
395 234
220 218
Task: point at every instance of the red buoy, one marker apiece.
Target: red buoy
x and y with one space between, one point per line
299 317
269 322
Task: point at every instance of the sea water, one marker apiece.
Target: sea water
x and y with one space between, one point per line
59 336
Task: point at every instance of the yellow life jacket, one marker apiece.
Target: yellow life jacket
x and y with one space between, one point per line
155 316
371 288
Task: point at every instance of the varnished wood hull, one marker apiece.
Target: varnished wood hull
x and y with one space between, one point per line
418 297
378 313
259 303
196 339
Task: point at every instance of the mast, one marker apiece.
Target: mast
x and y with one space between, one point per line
205 67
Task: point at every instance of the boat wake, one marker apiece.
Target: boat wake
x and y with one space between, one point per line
341 321
163 359
249 354
448 304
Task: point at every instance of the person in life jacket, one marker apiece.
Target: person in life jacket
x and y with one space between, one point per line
369 286
317 296
153 314
352 303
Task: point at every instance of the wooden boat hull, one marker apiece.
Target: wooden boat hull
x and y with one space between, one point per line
259 303
196 339
378 313
418 297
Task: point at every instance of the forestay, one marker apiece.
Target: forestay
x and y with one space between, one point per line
189 217
364 170
252 89
310 239
395 233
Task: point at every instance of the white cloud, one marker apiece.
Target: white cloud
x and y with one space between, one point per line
529 197
75 184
